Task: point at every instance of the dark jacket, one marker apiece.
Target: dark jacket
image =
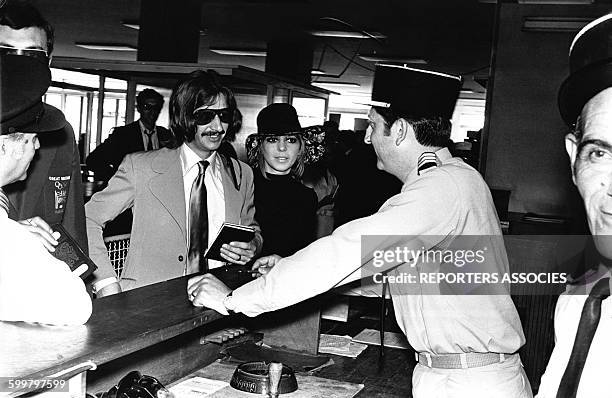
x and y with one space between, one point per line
53 189
105 159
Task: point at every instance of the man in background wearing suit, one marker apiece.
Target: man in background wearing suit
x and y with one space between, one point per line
141 135
53 192
180 196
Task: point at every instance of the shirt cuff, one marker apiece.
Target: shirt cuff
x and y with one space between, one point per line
99 285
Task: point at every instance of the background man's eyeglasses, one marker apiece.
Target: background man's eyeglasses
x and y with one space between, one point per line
27 52
205 116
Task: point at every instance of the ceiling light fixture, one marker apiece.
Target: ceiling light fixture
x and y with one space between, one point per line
106 46
346 34
317 72
554 24
557 2
136 25
337 84
236 52
403 60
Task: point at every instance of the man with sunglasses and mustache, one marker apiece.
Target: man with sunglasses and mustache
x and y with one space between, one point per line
163 190
53 192
141 135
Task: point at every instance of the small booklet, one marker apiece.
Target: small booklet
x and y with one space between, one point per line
69 251
229 233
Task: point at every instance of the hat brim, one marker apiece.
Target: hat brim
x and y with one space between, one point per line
314 137
48 119
580 87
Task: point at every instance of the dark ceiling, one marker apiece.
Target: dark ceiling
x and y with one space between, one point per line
454 36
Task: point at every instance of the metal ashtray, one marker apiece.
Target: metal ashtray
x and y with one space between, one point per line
253 377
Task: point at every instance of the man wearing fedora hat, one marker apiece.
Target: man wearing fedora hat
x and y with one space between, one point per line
53 193
578 366
34 285
180 197
467 344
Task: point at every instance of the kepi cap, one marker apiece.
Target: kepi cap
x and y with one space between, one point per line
415 93
590 68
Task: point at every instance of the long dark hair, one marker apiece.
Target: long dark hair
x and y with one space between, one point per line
199 88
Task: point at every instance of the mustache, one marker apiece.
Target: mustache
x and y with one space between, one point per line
215 132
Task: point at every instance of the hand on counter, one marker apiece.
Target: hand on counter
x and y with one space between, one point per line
239 252
42 231
263 265
208 291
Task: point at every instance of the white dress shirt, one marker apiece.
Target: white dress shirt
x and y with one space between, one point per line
214 192
145 137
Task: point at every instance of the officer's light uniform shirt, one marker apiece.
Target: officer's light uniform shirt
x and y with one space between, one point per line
448 200
34 285
594 381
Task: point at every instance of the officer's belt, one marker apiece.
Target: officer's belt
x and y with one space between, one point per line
461 361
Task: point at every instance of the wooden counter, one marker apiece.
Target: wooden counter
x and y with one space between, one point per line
120 325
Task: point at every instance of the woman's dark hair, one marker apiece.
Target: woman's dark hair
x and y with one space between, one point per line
428 131
17 14
200 88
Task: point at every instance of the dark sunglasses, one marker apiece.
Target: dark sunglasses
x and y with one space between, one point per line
27 52
205 116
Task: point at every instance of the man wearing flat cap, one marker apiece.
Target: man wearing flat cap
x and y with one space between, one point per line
466 344
580 362
34 285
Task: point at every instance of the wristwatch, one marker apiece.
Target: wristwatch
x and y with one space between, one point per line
227 303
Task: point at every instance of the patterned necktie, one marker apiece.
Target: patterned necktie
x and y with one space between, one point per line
4 201
149 134
589 319
198 223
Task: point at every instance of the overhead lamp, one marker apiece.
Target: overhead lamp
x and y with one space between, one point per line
237 52
381 58
317 72
347 34
546 2
554 24
136 25
335 84
557 2
106 46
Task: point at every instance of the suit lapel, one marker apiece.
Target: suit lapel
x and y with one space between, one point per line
167 185
232 196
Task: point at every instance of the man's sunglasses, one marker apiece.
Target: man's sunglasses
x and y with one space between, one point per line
205 116
27 52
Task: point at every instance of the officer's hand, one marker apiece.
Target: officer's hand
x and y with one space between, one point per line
239 252
42 231
263 265
207 291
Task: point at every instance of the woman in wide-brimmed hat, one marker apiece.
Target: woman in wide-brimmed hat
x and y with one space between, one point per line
284 208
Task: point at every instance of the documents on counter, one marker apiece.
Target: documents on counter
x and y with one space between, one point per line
197 387
340 345
228 233
392 340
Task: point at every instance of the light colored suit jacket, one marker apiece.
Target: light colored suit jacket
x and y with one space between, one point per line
151 183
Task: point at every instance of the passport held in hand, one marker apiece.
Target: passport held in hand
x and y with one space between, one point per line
229 233
69 251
